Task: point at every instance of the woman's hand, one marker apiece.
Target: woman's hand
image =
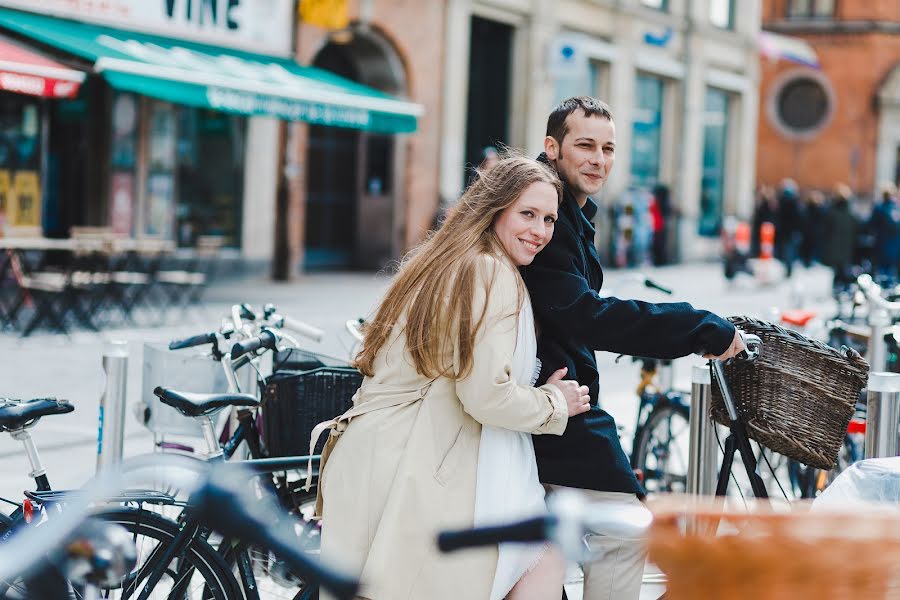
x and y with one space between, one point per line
577 398
737 346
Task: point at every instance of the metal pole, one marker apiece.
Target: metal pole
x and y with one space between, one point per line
111 429
880 322
702 454
883 415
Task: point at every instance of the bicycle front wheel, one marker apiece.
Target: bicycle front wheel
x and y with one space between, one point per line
662 449
199 573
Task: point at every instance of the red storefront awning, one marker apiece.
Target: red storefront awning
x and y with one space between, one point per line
24 71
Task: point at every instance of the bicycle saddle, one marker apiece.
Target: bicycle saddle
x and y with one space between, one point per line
16 414
199 405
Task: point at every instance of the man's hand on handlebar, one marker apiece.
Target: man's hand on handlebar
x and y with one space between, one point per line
737 346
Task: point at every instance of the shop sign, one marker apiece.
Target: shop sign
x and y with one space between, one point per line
263 26
34 85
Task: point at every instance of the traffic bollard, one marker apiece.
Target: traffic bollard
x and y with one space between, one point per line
702 476
111 420
883 415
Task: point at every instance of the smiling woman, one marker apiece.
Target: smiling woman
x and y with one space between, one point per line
456 327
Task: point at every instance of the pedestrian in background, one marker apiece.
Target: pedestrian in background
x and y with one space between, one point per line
660 209
788 228
840 231
765 211
884 225
812 227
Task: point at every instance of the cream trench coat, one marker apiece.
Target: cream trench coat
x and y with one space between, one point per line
398 474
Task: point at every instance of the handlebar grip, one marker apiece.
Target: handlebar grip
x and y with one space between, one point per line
655 286
536 529
196 340
267 339
247 313
313 333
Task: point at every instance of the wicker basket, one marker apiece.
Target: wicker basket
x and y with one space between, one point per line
797 398
706 552
295 402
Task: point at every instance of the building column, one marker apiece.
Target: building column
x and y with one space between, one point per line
621 102
260 172
691 245
541 31
456 89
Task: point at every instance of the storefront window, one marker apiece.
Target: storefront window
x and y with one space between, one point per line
160 198
646 131
712 185
721 13
20 161
123 160
210 175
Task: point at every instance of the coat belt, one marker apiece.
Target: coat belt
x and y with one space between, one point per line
338 425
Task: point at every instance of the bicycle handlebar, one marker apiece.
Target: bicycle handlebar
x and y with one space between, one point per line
195 340
872 292
267 339
301 328
570 517
536 529
655 286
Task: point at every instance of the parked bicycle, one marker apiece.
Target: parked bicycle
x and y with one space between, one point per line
220 499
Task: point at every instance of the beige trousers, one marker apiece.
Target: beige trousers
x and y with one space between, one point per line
618 570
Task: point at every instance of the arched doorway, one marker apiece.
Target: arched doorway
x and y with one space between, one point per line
353 180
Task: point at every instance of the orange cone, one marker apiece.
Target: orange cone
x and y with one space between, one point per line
766 251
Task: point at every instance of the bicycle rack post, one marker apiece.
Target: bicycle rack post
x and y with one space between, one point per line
880 322
111 426
703 453
883 415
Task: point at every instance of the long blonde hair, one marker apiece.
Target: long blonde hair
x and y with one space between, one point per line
436 281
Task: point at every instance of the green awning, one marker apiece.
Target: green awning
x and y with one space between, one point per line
223 79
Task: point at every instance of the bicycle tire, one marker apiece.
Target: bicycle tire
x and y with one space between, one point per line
214 579
652 453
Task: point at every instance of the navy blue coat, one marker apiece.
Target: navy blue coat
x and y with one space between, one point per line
574 321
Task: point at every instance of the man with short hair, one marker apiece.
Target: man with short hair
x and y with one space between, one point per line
575 321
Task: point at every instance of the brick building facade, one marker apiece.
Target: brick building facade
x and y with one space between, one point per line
360 200
838 123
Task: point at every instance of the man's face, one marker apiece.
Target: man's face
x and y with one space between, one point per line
586 155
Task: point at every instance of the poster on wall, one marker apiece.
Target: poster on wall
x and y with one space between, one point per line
160 214
4 198
121 206
24 201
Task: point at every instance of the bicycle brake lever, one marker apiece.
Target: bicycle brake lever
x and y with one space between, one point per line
753 347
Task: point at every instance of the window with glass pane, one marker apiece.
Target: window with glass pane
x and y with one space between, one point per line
712 182
646 131
808 9
721 13
657 4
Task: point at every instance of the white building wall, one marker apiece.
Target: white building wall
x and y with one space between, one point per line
612 33
260 183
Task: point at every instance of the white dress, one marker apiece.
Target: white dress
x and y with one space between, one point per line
507 486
